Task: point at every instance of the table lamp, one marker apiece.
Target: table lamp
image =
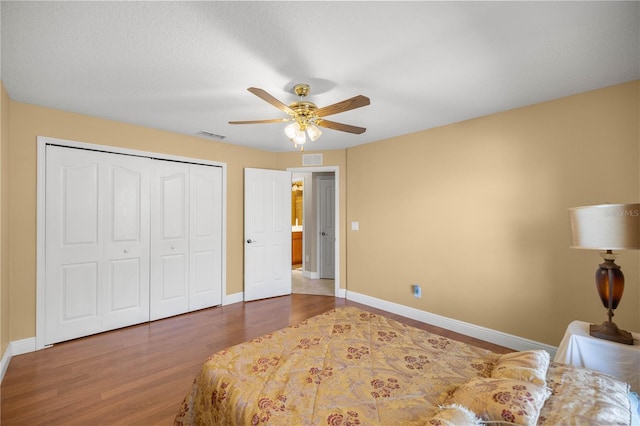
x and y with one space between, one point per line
607 227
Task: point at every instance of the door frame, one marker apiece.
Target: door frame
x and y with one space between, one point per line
42 143
338 292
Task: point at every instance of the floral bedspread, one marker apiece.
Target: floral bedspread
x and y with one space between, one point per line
348 366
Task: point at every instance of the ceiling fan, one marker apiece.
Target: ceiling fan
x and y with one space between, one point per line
306 116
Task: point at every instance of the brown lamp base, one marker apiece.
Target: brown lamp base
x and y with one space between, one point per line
609 331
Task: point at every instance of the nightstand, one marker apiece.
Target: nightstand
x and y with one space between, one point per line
617 359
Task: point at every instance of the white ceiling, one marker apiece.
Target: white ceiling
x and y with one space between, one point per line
185 66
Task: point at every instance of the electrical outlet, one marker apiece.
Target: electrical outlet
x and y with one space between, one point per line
417 291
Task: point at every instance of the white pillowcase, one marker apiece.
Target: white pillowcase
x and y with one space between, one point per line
530 366
502 400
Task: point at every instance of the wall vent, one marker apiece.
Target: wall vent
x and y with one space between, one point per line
209 135
312 159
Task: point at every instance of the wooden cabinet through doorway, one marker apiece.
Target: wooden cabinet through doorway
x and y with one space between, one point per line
296 248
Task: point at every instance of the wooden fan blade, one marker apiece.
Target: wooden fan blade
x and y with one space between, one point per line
339 126
270 99
346 105
272 120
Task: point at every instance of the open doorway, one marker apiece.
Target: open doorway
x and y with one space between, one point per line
297 221
314 231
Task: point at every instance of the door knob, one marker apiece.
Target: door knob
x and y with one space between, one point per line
250 241
126 250
323 234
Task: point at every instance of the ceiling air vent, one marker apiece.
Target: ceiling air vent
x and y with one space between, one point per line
209 135
312 159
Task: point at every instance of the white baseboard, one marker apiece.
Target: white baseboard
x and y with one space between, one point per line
239 297
4 362
482 333
233 298
311 275
17 347
23 346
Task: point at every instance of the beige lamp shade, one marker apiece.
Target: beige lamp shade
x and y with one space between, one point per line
606 227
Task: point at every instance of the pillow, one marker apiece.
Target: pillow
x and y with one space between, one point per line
502 400
531 366
454 415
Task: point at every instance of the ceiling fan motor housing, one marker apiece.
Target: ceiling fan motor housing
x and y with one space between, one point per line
301 89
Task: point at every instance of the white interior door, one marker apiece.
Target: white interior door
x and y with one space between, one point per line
267 233
96 268
205 237
169 292
327 228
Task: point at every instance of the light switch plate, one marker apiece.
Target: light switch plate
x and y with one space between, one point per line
355 226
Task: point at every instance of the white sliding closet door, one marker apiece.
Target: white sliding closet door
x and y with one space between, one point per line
186 241
128 239
126 244
97 238
169 239
205 237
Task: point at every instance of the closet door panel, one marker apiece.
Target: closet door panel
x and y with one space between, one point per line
169 239
79 206
79 292
73 265
75 212
205 238
126 292
126 287
203 267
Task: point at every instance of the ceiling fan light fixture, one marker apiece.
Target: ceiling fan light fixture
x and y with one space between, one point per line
313 131
300 137
292 130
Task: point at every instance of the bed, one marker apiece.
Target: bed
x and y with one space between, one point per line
349 366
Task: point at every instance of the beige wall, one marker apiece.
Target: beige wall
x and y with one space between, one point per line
29 121
5 308
476 212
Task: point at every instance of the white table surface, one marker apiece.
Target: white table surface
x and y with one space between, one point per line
617 359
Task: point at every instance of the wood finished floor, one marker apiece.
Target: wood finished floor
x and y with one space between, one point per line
139 375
